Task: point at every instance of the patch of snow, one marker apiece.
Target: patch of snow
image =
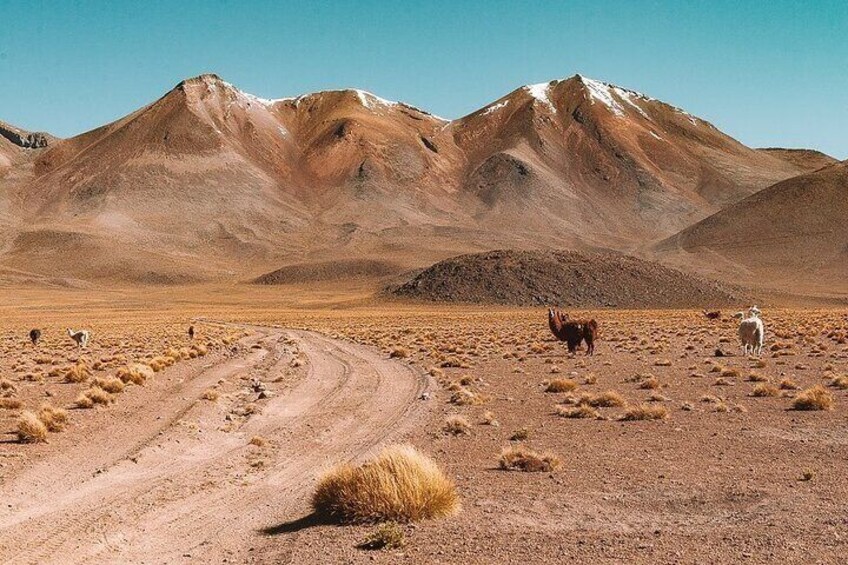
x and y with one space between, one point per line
655 135
283 131
602 92
691 118
540 92
495 107
367 99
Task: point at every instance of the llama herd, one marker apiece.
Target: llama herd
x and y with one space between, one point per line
80 337
573 332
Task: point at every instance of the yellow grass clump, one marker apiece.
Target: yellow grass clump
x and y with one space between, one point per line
522 458
580 411
457 425
815 398
645 412
400 484
54 419
561 385
31 429
765 389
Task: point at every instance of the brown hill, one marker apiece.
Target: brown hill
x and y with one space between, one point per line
210 182
565 278
792 236
329 271
806 159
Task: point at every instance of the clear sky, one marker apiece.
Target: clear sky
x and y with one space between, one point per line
770 73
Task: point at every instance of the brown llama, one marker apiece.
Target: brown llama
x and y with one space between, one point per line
713 314
573 332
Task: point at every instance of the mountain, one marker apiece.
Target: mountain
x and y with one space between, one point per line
607 164
211 183
791 236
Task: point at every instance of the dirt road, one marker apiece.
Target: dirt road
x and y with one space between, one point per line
167 475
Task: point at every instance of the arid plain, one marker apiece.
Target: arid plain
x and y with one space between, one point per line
656 449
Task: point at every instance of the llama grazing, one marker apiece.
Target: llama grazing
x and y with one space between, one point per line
713 314
572 332
81 337
752 335
34 335
191 332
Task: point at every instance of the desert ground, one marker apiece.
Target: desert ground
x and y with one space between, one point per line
666 446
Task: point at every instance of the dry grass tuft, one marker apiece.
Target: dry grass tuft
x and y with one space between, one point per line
53 418
258 441
645 412
489 419
764 390
788 384
31 429
524 459
10 403
211 395
457 425
560 385
840 382
401 484
110 384
581 411
815 398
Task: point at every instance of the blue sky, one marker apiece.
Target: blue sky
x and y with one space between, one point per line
769 73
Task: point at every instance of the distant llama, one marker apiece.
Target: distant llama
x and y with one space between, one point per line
34 335
81 337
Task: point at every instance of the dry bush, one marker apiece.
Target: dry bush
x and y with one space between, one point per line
399 353
580 411
92 396
77 373
764 390
757 378
489 419
54 419
401 484
6 384
840 382
606 399
110 384
258 441
650 383
31 429
788 384
211 395
645 412
464 397
520 434
10 403
561 385
457 425
815 398
524 459
83 401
